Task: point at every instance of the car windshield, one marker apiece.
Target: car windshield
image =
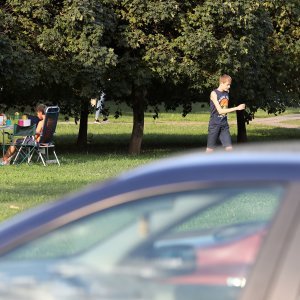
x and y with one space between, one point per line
204 239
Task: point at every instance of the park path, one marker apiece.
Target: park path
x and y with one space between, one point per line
284 121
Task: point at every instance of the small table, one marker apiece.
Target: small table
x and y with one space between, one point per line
3 129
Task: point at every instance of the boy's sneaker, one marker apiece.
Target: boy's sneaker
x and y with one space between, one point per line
105 120
97 121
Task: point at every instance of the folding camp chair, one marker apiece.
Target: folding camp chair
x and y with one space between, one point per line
46 144
22 138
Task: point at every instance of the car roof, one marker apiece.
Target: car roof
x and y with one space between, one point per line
256 155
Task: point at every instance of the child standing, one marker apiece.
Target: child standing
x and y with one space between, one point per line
218 127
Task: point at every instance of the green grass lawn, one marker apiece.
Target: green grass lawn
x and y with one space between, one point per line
25 186
292 122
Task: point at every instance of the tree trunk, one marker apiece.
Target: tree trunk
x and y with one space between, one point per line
83 125
138 122
241 127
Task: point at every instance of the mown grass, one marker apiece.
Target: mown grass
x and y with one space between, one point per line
292 122
25 186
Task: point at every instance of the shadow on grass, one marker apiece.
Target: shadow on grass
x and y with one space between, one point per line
28 196
119 143
160 142
273 134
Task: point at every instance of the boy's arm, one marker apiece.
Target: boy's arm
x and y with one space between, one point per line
214 99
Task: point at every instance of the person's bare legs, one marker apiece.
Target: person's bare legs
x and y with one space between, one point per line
9 153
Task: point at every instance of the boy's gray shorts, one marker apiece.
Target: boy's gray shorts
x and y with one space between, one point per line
218 129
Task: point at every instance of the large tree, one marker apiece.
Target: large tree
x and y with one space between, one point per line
70 39
257 42
283 58
19 73
141 51
193 43
147 61
186 45
226 37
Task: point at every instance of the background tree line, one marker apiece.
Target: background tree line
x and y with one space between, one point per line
147 53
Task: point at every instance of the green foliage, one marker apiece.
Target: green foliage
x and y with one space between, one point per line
62 48
170 51
181 47
284 50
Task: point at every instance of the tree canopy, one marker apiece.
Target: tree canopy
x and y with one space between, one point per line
147 53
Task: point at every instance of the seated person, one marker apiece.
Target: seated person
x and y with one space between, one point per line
40 111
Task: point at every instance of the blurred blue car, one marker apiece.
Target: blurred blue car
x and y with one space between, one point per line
193 226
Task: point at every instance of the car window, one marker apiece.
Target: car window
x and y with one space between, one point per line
204 239
245 206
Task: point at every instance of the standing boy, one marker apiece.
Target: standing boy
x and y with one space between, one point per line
218 127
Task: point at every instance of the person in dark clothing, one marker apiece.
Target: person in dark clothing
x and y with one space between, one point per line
218 128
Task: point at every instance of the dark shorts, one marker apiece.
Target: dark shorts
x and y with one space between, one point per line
29 140
218 129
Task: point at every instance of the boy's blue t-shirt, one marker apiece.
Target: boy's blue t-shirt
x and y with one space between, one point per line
223 99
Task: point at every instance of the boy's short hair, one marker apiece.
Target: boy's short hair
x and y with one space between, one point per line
42 108
225 78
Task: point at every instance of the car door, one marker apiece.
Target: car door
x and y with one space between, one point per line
275 275
189 241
